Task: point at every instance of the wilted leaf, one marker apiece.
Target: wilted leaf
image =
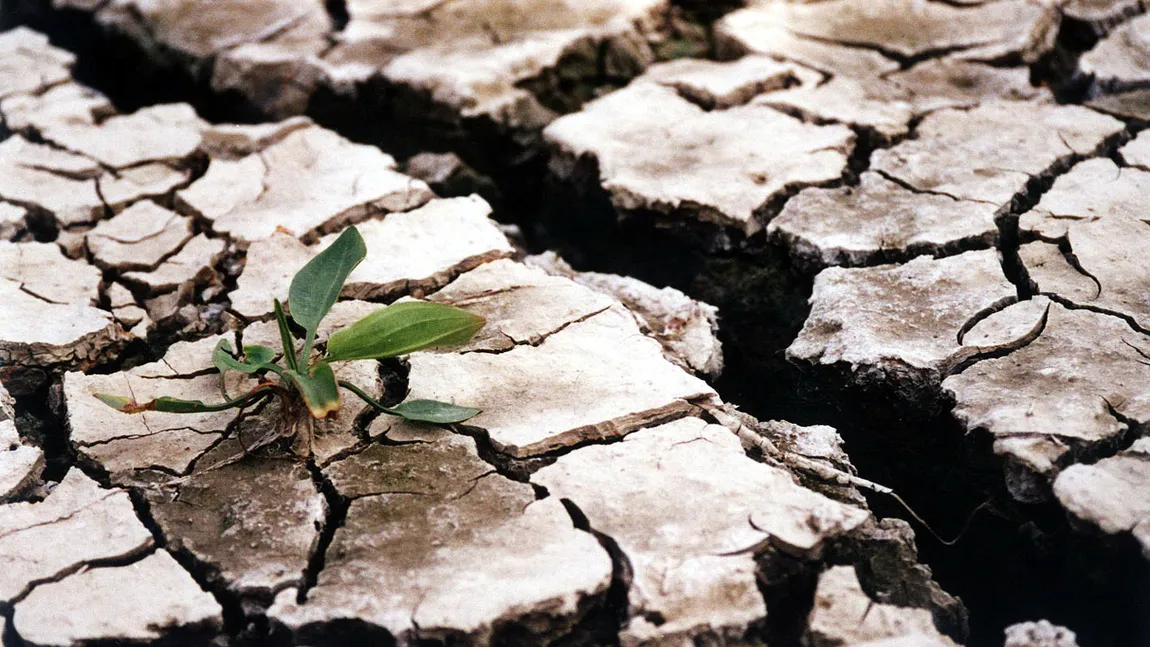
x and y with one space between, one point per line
319 390
167 404
255 357
403 328
118 402
315 288
432 411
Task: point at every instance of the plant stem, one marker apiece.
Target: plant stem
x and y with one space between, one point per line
365 397
308 342
286 339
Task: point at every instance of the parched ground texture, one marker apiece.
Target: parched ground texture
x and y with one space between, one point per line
963 183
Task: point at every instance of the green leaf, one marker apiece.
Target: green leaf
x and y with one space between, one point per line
403 328
432 411
319 390
255 357
286 339
421 410
117 402
316 286
175 405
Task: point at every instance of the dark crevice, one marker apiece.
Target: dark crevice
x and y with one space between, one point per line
1072 261
40 419
337 507
337 11
787 584
981 315
521 468
1009 235
1004 350
236 617
904 61
1059 68
603 621
107 562
1070 304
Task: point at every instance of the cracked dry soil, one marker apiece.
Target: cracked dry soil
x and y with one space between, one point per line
904 237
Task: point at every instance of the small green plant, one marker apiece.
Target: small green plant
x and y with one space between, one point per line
308 383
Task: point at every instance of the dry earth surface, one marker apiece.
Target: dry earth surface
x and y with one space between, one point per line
958 186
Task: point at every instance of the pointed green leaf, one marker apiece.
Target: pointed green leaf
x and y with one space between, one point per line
315 288
319 390
286 339
403 328
117 402
255 357
221 354
432 411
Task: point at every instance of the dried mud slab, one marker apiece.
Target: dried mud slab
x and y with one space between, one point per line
712 85
693 578
596 379
151 599
1102 15
522 305
1074 390
1137 152
30 65
843 614
79 333
168 134
149 180
1039 634
43 272
12 221
1121 61
177 26
688 329
81 522
1134 104
20 464
139 238
902 325
193 264
504 62
885 107
264 50
67 104
1111 494
905 29
254 521
49 180
1011 141
236 141
867 37
729 164
48 320
763 28
879 221
407 253
1078 222
437 546
276 189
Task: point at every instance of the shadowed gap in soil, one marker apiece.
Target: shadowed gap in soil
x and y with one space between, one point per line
1015 563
